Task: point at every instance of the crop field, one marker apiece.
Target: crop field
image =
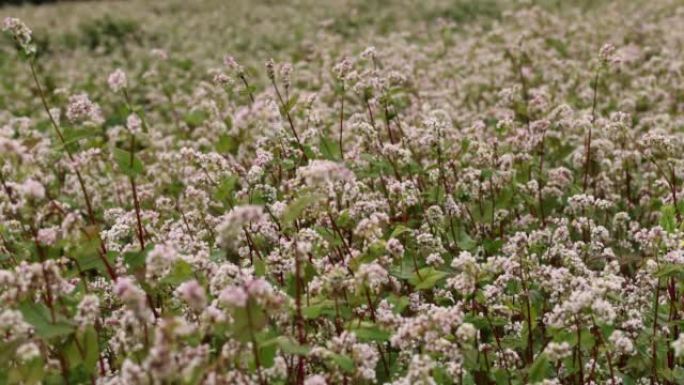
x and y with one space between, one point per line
342 192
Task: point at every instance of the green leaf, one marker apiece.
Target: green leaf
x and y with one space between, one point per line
400 229
313 311
245 324
296 207
225 190
267 355
465 242
330 148
427 278
504 198
195 118
287 107
88 256
181 272
671 270
227 144
501 377
344 362
667 219
72 354
370 332
92 349
289 346
344 220
136 259
7 349
399 302
39 317
129 164
308 151
34 372
259 268
73 136
538 369
441 376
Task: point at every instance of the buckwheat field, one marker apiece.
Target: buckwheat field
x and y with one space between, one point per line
342 192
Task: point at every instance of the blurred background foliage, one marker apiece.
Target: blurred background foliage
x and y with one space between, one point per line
80 41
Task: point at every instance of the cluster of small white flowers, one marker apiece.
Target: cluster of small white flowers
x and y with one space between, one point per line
129 293
88 310
621 343
234 222
160 260
82 110
678 346
21 34
28 351
117 80
316 379
324 171
466 332
192 293
32 189
557 351
13 325
47 236
373 275
495 203
134 123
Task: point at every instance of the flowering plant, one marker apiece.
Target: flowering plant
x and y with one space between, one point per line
496 205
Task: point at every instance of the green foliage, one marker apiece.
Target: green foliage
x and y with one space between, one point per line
45 324
441 233
128 163
109 33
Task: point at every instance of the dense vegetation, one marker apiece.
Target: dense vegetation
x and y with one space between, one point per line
255 192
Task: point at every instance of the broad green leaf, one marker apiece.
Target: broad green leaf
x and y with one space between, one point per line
259 267
289 345
465 242
7 349
33 372
92 349
136 259
72 137
267 355
426 278
371 332
129 164
312 311
245 324
671 270
38 315
399 302
344 362
225 190
538 369
195 118
330 148
227 144
399 230
181 272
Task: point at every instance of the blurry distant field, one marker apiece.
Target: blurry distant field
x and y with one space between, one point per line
79 38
